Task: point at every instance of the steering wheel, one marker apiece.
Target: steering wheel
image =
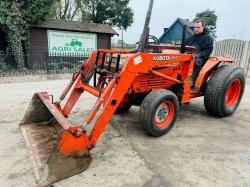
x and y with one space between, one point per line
154 38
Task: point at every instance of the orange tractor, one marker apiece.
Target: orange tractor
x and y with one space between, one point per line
155 77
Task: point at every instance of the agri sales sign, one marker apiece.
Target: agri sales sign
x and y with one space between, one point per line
71 43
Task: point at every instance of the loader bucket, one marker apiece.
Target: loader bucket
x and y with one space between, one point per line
55 153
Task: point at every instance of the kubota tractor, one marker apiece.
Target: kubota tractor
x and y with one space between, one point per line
155 77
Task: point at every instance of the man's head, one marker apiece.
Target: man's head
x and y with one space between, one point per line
199 26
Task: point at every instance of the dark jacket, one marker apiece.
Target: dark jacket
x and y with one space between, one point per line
204 44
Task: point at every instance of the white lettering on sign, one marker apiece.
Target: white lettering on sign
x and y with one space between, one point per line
165 58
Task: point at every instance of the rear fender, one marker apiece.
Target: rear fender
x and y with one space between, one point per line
211 64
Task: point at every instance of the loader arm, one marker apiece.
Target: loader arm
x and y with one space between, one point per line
110 97
54 144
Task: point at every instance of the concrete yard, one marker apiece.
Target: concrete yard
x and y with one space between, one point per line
200 150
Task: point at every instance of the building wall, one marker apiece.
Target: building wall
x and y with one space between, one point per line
39 41
103 41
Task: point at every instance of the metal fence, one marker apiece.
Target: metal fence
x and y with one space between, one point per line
238 49
41 64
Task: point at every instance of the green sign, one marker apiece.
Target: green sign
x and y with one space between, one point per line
71 43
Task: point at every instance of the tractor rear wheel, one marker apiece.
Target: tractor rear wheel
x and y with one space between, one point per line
224 90
158 112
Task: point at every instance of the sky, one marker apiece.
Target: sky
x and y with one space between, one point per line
233 17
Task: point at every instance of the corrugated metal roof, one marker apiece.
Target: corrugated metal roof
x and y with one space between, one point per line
76 26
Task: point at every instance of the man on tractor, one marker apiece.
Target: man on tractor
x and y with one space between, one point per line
203 41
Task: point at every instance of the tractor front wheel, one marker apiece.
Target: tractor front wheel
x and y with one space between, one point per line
224 90
158 112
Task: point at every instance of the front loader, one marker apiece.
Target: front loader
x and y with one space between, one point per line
155 77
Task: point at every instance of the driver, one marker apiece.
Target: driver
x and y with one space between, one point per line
203 42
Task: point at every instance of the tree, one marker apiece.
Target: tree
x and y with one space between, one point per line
123 19
16 17
13 24
37 10
67 9
210 18
112 12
